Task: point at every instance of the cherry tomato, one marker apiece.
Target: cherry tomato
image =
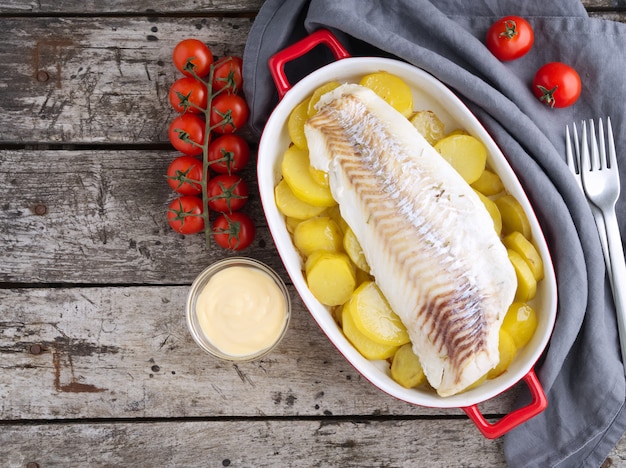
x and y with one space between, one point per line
510 37
557 85
233 231
186 133
228 154
227 74
192 54
227 193
184 175
184 215
188 95
229 112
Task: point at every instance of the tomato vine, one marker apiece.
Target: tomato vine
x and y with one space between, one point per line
209 97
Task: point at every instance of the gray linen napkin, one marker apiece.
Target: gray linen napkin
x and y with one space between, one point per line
581 370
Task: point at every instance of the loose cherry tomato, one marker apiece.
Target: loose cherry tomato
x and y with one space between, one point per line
227 193
233 231
229 112
184 215
228 154
184 175
186 133
557 85
188 95
227 74
510 37
192 55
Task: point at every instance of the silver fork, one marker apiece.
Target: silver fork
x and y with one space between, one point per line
572 153
601 182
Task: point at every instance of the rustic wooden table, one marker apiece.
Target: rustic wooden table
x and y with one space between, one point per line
96 364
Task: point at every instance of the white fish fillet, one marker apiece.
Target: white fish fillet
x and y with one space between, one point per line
427 237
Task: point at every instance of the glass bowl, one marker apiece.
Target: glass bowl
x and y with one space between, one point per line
238 309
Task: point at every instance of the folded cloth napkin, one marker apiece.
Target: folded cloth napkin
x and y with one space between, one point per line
581 370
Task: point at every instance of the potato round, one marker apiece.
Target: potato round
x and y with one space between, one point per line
465 153
330 277
374 317
406 368
291 206
295 167
368 348
295 124
319 233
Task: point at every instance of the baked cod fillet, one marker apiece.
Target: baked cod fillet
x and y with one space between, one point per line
427 237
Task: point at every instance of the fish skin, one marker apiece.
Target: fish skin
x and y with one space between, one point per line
426 235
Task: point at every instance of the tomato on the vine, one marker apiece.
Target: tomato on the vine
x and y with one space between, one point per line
233 231
227 73
184 175
510 38
186 133
228 154
192 54
188 95
557 84
184 214
227 193
229 112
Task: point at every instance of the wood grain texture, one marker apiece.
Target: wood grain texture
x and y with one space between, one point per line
103 220
198 7
310 443
78 7
114 352
86 80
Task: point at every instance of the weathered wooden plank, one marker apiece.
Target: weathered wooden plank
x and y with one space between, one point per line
78 7
97 80
171 6
126 353
80 80
100 217
251 443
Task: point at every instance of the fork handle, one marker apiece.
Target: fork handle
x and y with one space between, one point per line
618 271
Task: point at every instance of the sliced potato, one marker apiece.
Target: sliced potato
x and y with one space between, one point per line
406 368
526 282
353 249
330 277
295 167
334 213
318 93
520 322
368 348
489 183
508 350
465 153
291 206
494 212
295 124
513 216
319 233
395 91
429 125
373 316
516 241
320 177
292 223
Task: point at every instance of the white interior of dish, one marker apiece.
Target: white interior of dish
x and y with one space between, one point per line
430 94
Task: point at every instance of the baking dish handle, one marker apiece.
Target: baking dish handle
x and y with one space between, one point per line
277 61
515 418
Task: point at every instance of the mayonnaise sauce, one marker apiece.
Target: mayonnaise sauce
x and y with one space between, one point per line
241 310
